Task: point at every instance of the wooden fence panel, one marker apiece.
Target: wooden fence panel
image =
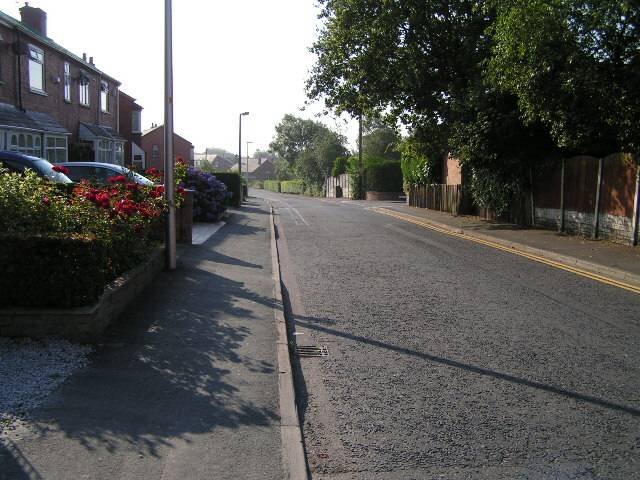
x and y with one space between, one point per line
444 198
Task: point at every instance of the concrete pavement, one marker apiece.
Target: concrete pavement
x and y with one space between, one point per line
185 386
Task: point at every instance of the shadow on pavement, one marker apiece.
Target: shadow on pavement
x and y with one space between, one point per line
167 369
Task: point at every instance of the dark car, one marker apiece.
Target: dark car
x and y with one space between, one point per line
18 163
97 172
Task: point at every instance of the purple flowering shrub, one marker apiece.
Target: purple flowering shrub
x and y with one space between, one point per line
209 195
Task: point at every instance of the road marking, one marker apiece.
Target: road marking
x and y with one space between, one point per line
497 246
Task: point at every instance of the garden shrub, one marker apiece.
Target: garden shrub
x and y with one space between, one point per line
292 186
383 175
272 185
51 271
234 185
121 216
209 197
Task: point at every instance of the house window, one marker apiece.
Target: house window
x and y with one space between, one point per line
136 122
105 151
27 143
84 90
155 151
56 149
67 82
104 97
138 162
36 69
119 153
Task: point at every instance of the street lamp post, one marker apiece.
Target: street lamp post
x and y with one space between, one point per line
240 141
247 170
169 184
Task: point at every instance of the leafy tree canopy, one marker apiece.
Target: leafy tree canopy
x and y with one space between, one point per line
574 66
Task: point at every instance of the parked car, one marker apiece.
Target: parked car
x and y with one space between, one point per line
18 162
97 172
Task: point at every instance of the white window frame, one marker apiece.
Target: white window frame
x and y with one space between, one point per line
104 97
36 63
136 121
155 151
104 151
84 91
56 148
67 82
25 142
118 153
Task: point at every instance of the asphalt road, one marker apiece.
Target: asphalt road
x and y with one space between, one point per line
451 360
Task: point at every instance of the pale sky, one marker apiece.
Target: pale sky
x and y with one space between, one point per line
230 56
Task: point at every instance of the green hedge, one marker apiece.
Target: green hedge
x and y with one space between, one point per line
383 176
47 271
256 184
233 182
273 185
292 186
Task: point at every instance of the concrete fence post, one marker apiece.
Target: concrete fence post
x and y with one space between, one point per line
635 234
596 216
562 196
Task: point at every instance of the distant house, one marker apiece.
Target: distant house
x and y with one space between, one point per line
54 104
257 168
217 162
152 142
131 129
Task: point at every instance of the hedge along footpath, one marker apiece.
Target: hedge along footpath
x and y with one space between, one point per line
292 186
87 236
234 185
272 185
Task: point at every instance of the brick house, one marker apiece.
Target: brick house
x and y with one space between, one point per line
54 104
131 130
153 146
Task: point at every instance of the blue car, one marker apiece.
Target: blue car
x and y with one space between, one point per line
18 163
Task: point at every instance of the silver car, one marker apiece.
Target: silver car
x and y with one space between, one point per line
96 172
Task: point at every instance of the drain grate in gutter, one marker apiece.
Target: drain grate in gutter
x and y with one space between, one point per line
312 351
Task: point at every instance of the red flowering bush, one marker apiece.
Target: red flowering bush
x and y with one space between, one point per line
123 216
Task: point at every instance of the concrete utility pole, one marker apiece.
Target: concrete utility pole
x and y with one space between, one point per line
169 184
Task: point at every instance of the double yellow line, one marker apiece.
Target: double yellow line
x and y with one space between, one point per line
497 246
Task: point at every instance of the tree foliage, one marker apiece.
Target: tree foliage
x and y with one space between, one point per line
501 84
574 66
308 147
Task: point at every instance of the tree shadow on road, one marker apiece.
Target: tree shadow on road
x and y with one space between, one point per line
322 325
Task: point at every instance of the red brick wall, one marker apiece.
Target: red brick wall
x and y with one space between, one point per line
453 171
53 103
127 106
181 148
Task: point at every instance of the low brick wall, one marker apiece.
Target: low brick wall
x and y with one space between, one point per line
384 196
83 324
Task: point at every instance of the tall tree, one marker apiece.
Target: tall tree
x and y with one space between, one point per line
574 66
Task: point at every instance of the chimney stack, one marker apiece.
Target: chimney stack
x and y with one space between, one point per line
84 57
34 18
91 60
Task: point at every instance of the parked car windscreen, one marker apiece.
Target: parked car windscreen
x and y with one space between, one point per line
46 169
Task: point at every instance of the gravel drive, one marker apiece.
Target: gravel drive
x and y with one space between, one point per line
30 370
451 360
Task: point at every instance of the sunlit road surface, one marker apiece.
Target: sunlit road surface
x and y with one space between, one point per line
453 360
